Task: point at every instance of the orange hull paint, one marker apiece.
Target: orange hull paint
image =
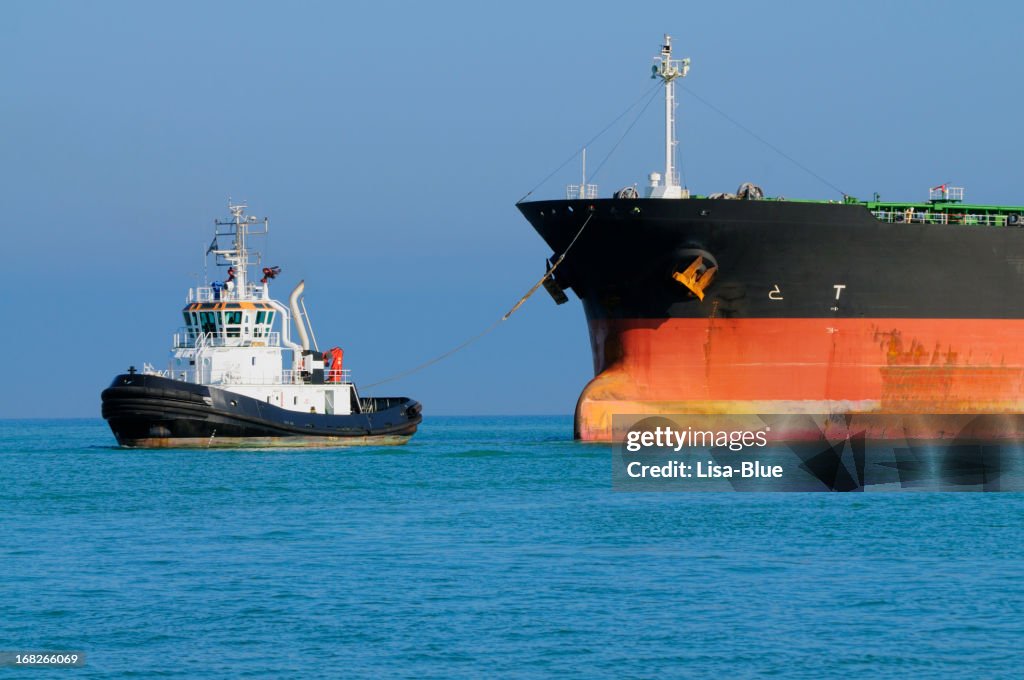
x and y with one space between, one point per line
877 367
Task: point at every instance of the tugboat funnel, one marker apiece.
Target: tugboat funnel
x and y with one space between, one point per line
293 304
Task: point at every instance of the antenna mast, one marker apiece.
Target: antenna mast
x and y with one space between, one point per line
238 255
668 69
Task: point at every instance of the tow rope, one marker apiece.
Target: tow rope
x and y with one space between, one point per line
515 307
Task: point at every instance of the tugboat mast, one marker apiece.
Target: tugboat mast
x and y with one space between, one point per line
237 256
668 69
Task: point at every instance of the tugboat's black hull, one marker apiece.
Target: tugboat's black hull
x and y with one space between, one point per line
147 411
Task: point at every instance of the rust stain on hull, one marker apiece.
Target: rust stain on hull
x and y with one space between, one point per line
926 367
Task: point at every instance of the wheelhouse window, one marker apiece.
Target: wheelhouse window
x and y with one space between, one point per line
232 321
208 321
191 327
263 323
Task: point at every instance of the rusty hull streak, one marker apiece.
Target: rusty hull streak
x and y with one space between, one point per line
825 365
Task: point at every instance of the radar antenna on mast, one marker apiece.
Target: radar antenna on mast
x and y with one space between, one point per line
668 69
238 255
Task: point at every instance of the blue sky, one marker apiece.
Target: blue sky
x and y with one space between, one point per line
388 143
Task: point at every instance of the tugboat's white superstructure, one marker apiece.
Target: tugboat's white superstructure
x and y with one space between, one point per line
228 347
228 338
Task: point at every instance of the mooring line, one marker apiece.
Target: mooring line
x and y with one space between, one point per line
515 307
764 141
591 141
624 134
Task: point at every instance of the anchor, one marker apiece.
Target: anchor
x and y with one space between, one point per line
693 280
554 287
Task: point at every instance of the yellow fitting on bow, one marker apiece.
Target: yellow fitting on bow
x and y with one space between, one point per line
696 283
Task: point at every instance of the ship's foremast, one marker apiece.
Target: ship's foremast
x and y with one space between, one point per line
668 70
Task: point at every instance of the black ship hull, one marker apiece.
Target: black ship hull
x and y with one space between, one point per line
147 411
812 308
622 265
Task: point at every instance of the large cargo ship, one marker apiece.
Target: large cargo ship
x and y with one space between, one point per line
908 316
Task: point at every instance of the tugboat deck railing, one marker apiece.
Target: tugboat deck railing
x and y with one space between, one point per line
287 377
185 339
253 291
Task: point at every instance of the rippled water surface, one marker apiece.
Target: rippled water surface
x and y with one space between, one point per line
488 546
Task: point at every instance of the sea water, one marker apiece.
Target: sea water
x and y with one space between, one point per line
486 547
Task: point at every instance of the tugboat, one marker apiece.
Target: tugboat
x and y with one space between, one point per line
227 384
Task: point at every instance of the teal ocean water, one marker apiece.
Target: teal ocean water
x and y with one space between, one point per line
487 547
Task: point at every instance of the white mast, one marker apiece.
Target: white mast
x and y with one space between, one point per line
582 190
237 256
668 70
583 180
